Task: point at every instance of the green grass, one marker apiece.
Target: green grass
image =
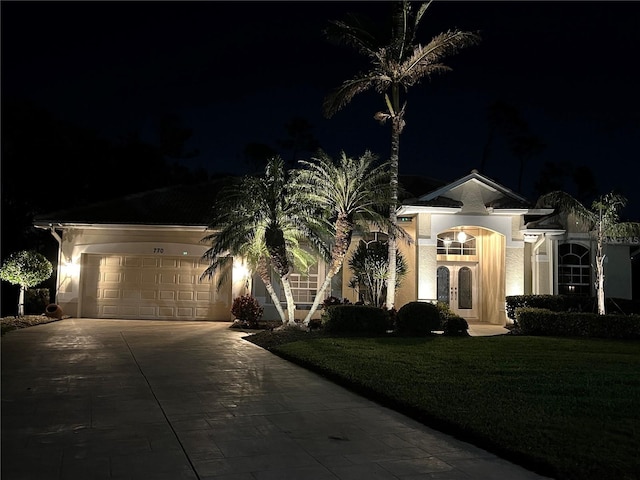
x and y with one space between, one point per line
567 408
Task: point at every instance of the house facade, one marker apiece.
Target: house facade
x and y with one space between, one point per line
471 243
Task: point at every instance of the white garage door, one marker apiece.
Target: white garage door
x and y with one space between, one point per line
151 287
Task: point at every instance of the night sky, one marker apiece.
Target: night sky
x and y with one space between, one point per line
236 72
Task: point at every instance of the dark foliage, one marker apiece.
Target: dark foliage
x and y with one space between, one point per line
355 319
247 310
417 319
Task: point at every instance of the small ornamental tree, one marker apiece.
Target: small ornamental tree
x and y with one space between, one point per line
26 268
602 221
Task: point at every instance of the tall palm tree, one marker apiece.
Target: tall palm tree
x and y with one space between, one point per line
602 221
348 194
397 64
255 218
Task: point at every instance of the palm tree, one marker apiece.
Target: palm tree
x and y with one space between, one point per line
370 266
602 220
396 65
348 195
255 218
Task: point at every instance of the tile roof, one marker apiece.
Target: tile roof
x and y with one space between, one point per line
182 205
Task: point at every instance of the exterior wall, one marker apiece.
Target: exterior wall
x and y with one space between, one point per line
408 289
617 272
514 271
141 241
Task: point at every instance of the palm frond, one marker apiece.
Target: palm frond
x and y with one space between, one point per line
352 32
563 202
624 229
426 60
341 96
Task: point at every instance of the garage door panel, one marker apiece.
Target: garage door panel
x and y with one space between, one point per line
203 296
132 261
113 261
167 295
114 277
132 276
167 279
186 295
129 286
109 293
187 279
147 312
185 312
168 262
150 262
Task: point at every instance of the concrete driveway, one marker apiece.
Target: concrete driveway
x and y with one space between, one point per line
120 399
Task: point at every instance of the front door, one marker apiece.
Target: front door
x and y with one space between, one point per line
457 285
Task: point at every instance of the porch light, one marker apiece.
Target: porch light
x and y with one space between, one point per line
462 236
447 243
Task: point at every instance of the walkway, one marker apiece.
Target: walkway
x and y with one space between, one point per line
87 399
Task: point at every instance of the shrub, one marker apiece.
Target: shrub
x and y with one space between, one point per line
247 310
417 319
538 321
358 319
331 301
36 300
455 326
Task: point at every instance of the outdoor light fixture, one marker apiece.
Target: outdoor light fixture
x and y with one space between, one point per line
447 243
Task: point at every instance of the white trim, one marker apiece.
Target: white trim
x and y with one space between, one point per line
124 226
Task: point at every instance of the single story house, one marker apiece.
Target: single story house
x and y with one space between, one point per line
474 243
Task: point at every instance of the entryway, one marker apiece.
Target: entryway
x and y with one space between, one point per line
457 286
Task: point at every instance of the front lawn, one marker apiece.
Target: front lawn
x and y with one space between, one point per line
567 408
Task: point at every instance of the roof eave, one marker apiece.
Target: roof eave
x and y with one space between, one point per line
118 226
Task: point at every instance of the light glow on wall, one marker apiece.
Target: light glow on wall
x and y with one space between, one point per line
70 269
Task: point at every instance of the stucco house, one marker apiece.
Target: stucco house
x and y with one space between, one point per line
474 243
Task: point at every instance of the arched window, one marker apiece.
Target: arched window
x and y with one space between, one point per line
456 242
574 269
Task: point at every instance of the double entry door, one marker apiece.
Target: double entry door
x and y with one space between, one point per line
457 286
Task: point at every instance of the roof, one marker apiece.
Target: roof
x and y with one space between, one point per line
484 190
191 205
182 205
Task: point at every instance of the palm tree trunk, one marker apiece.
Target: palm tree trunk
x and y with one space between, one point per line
396 128
291 305
344 229
263 272
600 266
600 273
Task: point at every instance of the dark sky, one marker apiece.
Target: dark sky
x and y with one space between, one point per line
236 72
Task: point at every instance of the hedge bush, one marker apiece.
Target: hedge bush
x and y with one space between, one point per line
544 322
418 319
569 303
358 319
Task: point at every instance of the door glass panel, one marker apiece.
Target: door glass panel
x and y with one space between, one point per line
465 300
443 284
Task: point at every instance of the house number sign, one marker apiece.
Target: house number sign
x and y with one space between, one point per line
158 250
